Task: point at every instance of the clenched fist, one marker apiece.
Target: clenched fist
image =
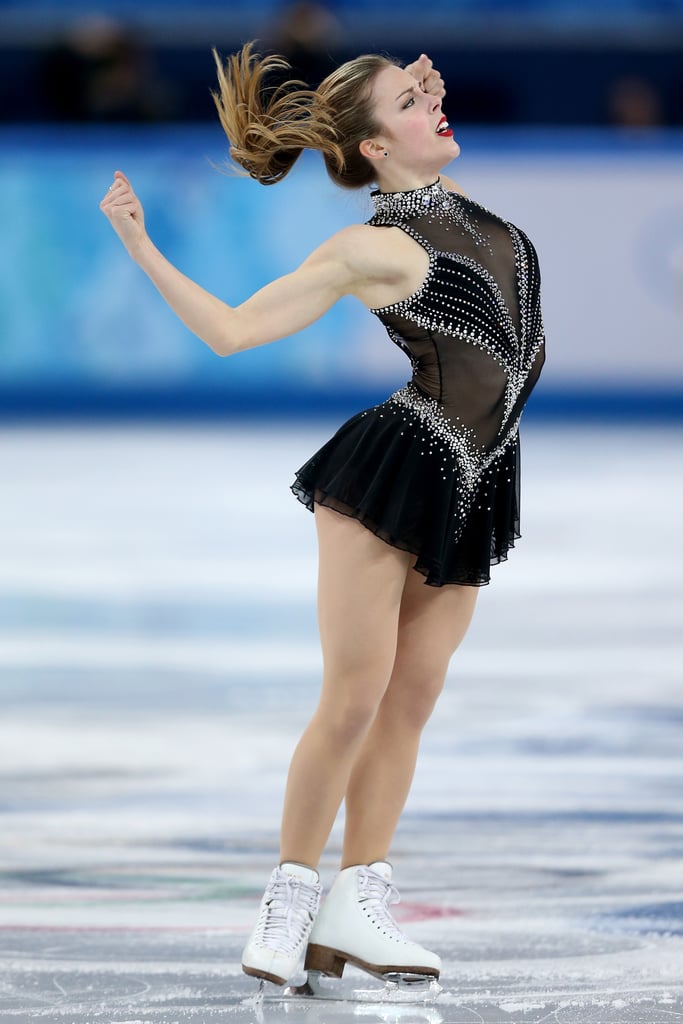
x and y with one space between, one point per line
427 76
124 211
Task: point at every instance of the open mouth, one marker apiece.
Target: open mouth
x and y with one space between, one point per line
443 129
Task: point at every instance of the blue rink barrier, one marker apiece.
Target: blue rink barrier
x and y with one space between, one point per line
83 331
196 403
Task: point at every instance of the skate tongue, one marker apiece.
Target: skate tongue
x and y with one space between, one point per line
300 871
383 868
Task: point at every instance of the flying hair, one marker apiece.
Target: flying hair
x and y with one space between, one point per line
269 126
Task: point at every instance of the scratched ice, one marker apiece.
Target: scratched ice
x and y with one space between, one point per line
158 658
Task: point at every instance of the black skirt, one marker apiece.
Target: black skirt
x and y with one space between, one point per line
384 469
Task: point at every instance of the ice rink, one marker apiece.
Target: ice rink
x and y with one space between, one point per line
159 657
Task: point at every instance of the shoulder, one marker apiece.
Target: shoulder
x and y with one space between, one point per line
381 264
363 251
374 251
353 240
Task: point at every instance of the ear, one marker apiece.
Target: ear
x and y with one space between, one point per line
372 149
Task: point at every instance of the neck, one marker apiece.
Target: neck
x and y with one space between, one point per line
397 207
400 181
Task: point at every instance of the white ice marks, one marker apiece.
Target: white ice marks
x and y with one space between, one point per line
158 659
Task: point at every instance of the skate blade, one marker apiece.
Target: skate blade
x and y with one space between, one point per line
255 1002
391 988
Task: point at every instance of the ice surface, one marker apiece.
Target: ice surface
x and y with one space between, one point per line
159 657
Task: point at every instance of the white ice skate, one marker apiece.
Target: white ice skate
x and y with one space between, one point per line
288 909
355 926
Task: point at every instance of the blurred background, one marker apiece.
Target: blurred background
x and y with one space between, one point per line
158 645
570 119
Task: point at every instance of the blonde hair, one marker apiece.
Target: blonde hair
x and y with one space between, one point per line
268 127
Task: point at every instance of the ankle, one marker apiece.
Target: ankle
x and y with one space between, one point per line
297 869
364 862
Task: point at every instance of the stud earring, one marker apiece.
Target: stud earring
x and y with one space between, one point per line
385 153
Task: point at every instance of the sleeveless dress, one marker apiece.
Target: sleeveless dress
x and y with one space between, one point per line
434 470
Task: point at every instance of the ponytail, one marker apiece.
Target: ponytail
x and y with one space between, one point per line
268 127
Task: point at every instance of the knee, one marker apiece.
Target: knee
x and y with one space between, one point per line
345 722
410 703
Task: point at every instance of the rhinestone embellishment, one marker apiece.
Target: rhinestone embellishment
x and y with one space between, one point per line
393 207
473 297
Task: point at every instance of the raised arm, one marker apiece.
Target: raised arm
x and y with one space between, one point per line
283 307
427 76
430 81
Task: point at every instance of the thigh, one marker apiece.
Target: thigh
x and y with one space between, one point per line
434 620
360 586
432 623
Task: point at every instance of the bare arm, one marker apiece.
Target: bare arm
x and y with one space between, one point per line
283 307
431 81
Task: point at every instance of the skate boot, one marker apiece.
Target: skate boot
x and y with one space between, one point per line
356 926
288 909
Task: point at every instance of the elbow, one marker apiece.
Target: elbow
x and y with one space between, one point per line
224 345
222 350
229 338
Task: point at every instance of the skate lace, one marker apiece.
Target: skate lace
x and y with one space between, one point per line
289 909
376 896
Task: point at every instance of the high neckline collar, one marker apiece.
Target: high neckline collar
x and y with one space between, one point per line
405 205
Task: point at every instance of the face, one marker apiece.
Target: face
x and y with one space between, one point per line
414 129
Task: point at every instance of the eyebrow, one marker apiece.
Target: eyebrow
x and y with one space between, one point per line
409 89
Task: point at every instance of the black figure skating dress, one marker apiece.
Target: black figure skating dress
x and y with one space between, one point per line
434 470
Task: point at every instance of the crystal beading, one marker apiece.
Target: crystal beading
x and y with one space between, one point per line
433 469
390 207
461 302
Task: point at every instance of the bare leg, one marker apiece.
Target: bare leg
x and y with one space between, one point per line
360 586
432 623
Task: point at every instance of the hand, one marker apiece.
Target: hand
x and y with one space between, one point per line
124 211
427 76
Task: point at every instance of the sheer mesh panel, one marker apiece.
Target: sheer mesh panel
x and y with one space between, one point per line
434 470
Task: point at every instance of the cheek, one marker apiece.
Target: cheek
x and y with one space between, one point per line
416 128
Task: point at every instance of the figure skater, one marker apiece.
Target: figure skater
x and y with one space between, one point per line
414 499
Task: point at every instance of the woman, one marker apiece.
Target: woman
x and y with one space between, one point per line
422 489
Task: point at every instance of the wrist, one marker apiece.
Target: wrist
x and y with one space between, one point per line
141 249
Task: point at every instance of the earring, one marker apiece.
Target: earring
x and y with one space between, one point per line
385 153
